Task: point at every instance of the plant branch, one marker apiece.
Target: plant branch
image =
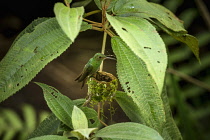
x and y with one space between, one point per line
189 78
92 13
90 21
110 33
103 48
204 12
97 29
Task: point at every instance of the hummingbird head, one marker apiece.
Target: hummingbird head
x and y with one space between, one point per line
100 56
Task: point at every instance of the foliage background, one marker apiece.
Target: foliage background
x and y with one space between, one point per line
190 103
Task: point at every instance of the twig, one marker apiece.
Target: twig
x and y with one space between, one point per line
189 78
103 48
204 12
99 110
97 29
93 22
92 12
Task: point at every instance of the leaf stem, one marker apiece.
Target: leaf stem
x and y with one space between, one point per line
92 13
93 22
110 33
67 4
97 29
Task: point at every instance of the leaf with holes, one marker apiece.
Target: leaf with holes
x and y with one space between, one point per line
160 16
143 39
70 19
41 42
59 104
148 10
138 83
128 131
189 40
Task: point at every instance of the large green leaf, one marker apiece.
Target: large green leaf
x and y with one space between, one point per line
138 83
159 15
189 40
48 127
142 8
170 130
129 131
37 45
128 106
70 19
79 120
50 137
145 42
59 104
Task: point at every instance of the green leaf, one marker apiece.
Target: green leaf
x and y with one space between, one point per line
50 137
85 26
144 9
139 85
41 42
12 120
80 133
79 120
170 130
143 39
79 102
105 3
129 131
59 104
48 127
70 19
11 124
92 117
189 40
128 106
81 3
29 115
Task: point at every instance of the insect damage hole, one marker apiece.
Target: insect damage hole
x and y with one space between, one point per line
124 29
147 48
54 95
126 83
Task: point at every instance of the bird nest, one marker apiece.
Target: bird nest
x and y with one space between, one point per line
102 87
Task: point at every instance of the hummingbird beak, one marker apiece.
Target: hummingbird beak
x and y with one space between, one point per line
109 57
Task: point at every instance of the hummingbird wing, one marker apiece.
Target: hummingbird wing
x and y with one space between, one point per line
85 73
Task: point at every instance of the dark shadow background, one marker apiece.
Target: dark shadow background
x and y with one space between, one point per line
61 72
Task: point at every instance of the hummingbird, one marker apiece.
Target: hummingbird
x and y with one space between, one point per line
91 67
